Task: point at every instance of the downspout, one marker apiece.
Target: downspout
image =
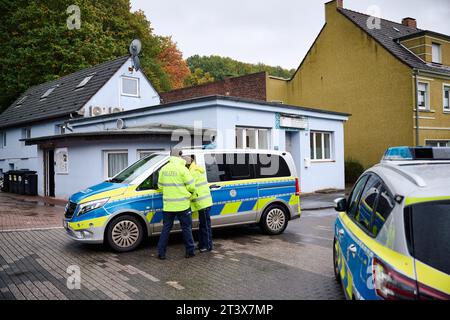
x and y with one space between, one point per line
416 85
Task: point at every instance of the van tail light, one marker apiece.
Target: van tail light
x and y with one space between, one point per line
391 285
297 187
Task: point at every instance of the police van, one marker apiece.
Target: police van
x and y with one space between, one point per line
392 238
247 187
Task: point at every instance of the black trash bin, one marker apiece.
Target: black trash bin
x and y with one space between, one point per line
31 183
5 182
13 187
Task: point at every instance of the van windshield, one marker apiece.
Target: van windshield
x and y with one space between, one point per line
137 169
429 234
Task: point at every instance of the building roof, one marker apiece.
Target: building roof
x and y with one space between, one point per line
157 129
389 35
213 98
64 99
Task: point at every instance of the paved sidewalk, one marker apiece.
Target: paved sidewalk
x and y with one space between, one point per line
25 212
319 201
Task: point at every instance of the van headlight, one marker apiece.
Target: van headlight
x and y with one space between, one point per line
92 205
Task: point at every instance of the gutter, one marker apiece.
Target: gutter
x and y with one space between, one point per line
416 88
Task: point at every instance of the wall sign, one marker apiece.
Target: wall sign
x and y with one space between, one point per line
291 122
61 161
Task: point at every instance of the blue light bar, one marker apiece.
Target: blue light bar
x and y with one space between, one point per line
398 153
416 153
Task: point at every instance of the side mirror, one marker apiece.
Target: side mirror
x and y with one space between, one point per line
340 204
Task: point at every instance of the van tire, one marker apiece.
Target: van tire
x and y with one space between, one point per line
124 233
274 220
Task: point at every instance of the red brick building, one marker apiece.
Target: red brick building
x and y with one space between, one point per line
252 86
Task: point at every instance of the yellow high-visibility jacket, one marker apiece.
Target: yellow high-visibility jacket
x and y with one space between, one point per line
202 198
177 185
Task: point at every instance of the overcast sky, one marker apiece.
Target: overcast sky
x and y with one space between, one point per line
275 32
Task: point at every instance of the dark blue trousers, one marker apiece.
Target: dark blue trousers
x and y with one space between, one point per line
185 218
205 232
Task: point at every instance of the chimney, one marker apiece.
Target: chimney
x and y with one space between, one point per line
409 22
340 3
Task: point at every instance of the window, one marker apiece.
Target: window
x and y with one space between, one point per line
84 81
320 145
48 92
271 166
384 207
367 203
26 133
130 86
145 153
252 138
423 95
446 98
229 167
353 199
115 162
137 169
438 143
2 139
436 53
21 100
427 226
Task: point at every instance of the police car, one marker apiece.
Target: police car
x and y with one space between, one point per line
392 234
246 186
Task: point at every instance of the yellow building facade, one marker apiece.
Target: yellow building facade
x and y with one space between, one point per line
374 76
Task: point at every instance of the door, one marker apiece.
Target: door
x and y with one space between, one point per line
49 172
234 193
343 235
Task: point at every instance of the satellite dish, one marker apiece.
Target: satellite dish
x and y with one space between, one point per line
120 124
135 47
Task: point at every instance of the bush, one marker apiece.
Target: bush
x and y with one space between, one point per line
353 170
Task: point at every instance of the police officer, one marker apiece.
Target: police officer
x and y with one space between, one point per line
178 186
202 203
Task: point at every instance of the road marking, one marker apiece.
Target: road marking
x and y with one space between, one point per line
175 285
323 228
31 229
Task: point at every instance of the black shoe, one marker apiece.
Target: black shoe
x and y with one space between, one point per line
189 255
160 257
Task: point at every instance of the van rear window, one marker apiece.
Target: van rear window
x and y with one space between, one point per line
428 232
271 166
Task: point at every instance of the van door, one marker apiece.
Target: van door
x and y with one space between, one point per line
233 191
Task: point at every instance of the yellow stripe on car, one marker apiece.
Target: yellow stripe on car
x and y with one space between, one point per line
432 277
231 207
400 262
86 224
411 201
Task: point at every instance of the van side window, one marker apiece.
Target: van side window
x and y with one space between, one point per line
228 167
271 166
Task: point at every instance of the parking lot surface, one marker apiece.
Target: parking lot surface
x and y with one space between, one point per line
45 264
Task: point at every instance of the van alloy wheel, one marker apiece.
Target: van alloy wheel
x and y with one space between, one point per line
125 234
275 219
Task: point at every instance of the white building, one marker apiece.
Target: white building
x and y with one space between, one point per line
94 147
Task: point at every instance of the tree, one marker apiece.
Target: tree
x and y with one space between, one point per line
172 62
37 46
222 67
197 78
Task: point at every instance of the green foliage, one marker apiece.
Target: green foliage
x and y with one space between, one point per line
36 45
353 170
198 77
221 67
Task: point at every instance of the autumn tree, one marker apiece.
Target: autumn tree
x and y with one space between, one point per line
173 63
198 77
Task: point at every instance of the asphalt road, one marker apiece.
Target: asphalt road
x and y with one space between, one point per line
244 265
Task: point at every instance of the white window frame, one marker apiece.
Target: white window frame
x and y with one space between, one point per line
445 86
427 95
244 134
314 134
106 153
127 94
439 141
436 52
141 151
